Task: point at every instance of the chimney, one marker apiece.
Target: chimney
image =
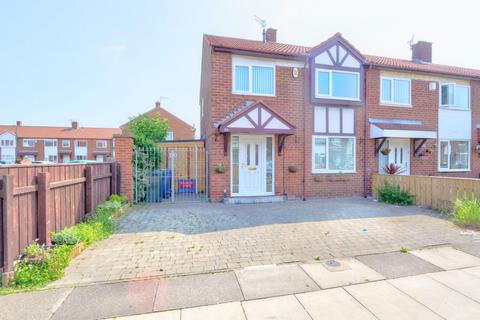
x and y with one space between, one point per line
19 123
422 52
271 35
74 125
157 104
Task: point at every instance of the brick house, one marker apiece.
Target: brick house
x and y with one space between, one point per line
56 144
292 121
179 129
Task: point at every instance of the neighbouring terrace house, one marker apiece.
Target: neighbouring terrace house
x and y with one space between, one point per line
289 121
56 144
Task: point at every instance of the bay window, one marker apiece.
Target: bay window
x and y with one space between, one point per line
454 155
454 96
255 78
333 154
336 84
395 91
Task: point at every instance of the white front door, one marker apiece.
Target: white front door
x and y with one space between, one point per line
252 165
399 155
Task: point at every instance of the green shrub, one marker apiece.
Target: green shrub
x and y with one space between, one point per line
28 274
66 236
118 198
466 211
394 195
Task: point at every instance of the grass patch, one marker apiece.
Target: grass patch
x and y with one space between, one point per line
466 212
43 264
391 194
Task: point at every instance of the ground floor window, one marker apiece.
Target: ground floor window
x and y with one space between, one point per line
454 155
29 157
80 157
333 154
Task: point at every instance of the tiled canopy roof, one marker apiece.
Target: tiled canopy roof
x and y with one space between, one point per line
41 132
294 51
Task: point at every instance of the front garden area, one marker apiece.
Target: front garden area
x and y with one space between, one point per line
41 264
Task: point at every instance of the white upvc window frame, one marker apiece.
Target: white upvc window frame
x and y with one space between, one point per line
392 102
53 141
65 143
454 107
26 142
249 63
330 86
169 136
449 148
326 170
77 142
101 144
8 143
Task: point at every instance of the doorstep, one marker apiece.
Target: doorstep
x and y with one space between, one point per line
253 200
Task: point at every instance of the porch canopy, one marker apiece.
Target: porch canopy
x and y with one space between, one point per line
255 117
406 129
397 130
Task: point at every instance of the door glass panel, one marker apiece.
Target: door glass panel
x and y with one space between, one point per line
256 154
269 164
248 154
235 162
444 154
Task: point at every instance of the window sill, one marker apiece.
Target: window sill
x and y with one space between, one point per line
252 94
455 108
336 98
384 104
334 172
454 170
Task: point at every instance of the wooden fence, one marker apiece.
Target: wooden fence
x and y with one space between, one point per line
431 192
38 199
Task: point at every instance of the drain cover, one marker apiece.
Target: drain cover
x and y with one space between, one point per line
332 263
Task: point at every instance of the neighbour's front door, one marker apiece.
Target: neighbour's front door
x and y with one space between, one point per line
252 165
400 154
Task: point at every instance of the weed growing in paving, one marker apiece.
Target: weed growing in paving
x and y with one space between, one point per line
404 250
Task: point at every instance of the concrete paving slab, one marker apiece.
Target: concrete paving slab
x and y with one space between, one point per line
388 303
108 300
279 308
271 281
472 248
475 271
166 315
357 273
437 297
224 311
32 305
460 281
333 304
447 258
397 264
197 290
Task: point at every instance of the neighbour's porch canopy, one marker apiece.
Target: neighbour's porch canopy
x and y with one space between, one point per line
381 131
255 118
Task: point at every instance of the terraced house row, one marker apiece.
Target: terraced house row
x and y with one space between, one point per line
56 144
292 121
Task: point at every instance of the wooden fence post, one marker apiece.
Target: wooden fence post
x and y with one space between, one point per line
88 189
6 193
114 178
44 207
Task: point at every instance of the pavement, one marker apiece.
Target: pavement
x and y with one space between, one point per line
165 240
440 282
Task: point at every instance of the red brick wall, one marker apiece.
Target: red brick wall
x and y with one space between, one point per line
123 156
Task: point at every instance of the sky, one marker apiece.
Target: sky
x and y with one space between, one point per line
102 61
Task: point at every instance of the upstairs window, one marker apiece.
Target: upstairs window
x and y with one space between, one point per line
337 84
50 143
29 143
169 135
455 96
102 144
6 143
250 78
395 91
81 144
66 143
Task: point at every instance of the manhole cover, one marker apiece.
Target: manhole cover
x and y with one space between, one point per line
336 266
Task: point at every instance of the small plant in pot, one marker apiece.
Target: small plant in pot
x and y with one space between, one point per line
392 169
292 168
385 151
220 168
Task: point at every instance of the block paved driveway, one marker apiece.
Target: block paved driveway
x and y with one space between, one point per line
175 239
